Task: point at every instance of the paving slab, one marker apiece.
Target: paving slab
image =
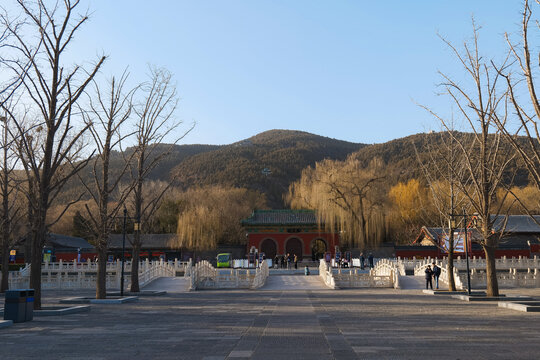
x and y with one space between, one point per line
280 324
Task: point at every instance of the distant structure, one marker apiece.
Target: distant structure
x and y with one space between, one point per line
294 232
520 238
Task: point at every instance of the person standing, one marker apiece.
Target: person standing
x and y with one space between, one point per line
295 261
370 259
276 262
362 261
429 275
283 261
288 261
436 274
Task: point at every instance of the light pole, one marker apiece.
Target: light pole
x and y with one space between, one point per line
123 252
464 215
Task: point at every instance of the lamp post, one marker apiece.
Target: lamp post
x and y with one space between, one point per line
123 252
464 215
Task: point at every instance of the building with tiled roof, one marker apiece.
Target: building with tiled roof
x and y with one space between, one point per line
294 232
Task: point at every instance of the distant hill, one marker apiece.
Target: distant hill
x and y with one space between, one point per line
270 161
401 162
267 162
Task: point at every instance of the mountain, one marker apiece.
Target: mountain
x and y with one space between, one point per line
267 162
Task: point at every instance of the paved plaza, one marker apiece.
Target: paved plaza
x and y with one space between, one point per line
279 324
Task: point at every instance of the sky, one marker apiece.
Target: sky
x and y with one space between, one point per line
350 70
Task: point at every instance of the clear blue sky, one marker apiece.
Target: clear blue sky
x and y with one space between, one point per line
349 70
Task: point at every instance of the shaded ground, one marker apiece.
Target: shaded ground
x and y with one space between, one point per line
304 324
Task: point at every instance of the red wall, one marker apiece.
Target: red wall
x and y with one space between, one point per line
256 239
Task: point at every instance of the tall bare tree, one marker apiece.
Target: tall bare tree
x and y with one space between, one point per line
443 170
11 208
109 110
156 122
481 103
53 90
527 111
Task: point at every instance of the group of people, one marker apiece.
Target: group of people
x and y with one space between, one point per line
286 261
363 261
432 273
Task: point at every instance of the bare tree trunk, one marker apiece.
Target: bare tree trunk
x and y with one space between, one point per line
491 272
35 270
101 286
450 267
5 268
135 264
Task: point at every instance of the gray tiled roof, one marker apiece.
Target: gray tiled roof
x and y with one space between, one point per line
281 217
149 241
64 241
517 223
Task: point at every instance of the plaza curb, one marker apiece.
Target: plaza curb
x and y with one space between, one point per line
5 323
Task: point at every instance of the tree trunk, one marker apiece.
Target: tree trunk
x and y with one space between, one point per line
491 271
101 283
135 265
35 270
5 269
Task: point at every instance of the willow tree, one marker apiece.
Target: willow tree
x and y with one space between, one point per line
411 206
211 215
347 199
52 88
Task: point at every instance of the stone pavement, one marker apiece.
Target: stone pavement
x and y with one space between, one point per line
303 324
294 282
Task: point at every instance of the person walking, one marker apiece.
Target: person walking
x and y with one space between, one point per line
295 261
436 274
429 276
289 259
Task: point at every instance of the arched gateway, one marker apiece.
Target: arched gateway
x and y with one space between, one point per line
268 246
288 231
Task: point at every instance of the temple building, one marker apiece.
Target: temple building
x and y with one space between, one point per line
294 232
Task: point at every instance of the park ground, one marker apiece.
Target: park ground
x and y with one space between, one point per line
294 322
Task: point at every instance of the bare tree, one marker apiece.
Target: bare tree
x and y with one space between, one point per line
527 112
109 111
53 90
481 104
11 208
443 169
156 122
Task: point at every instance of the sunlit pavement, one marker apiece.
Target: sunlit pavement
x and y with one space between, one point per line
302 324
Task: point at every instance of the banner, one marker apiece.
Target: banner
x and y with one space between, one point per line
459 242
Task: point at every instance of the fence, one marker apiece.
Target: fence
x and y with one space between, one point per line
204 276
384 274
73 275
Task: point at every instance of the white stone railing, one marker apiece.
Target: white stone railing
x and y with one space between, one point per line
512 278
204 276
326 274
386 268
261 274
73 275
505 263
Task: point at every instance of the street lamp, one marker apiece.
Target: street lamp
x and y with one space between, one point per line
452 225
137 227
123 252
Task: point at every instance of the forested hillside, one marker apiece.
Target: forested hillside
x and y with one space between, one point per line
283 153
